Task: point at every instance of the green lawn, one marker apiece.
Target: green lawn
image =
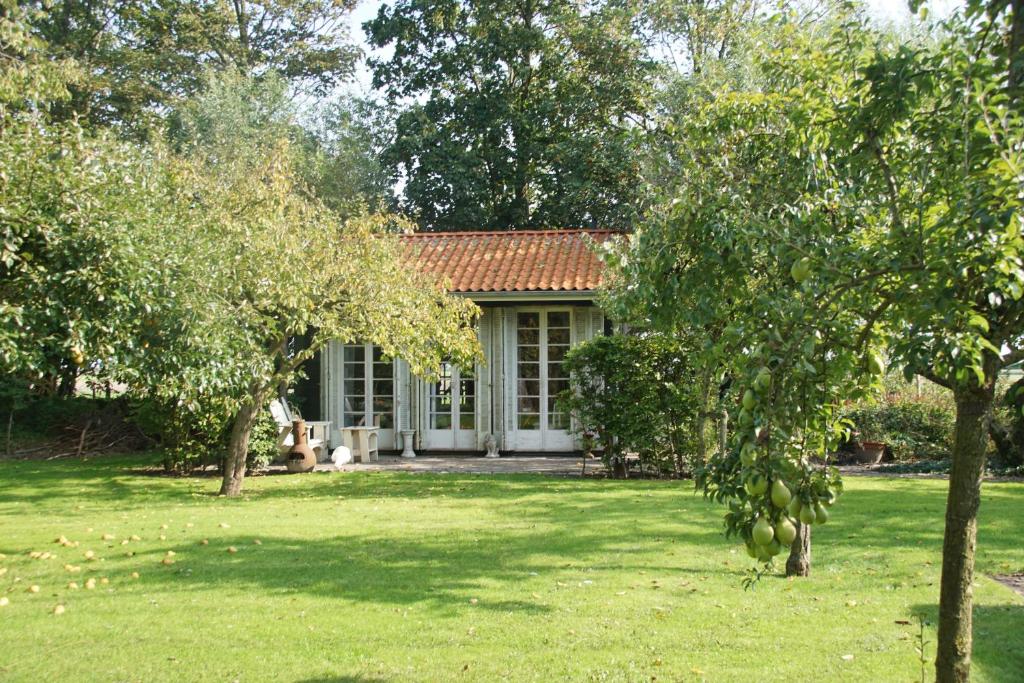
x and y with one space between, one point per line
381 577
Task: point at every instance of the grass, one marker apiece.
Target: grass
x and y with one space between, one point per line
388 577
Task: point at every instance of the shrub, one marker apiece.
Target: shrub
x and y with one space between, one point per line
635 394
262 443
912 430
190 437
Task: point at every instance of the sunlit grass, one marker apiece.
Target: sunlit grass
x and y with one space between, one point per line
380 577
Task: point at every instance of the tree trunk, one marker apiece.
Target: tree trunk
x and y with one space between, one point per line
799 562
67 380
973 412
723 432
238 449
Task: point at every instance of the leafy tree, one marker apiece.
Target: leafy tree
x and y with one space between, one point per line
142 57
256 263
512 114
346 141
873 193
70 289
696 36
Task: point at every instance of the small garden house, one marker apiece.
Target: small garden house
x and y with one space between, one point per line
536 289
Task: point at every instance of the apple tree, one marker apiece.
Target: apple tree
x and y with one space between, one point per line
257 262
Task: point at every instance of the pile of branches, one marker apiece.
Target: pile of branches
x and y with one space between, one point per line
106 430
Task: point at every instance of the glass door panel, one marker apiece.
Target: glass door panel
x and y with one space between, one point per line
451 410
368 390
542 341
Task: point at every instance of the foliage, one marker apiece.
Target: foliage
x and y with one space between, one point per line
512 115
257 262
197 437
143 58
189 437
348 175
72 289
912 430
1006 428
636 394
867 196
263 448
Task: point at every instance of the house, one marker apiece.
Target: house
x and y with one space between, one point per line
536 290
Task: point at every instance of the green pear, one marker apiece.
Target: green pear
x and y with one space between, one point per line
780 494
785 531
762 533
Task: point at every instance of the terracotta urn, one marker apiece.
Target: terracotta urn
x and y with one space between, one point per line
301 457
870 452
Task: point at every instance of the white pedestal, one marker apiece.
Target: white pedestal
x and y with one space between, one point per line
407 437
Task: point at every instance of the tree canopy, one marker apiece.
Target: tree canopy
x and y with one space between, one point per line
512 114
139 58
865 199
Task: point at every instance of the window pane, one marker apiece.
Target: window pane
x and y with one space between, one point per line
529 370
528 336
529 354
558 336
353 353
558 421
354 419
467 405
355 404
555 371
557 385
467 421
467 387
383 387
529 422
384 407
441 404
378 355
355 370
354 387
528 319
557 352
441 421
529 387
558 319
382 371
528 404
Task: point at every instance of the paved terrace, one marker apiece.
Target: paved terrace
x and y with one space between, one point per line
562 466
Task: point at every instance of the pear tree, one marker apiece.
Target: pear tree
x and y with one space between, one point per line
861 209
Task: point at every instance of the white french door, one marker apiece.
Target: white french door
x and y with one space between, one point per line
542 340
451 410
368 391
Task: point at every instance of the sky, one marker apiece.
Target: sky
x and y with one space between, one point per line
884 10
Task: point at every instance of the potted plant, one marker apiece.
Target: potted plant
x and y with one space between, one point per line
871 436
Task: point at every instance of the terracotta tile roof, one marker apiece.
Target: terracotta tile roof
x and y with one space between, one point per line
519 261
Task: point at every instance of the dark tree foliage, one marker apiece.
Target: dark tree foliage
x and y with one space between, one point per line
513 113
140 57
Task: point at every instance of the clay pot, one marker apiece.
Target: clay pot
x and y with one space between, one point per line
301 457
869 452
